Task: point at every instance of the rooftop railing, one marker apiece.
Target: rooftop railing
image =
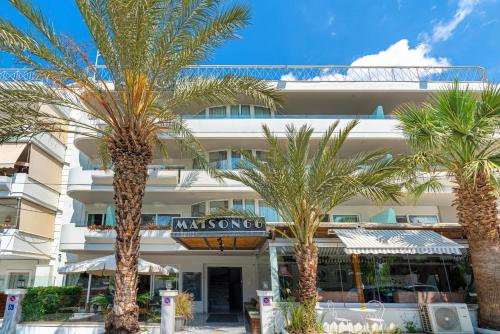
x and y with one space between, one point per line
303 73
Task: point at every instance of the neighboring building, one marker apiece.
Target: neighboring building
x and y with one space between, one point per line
223 264
30 186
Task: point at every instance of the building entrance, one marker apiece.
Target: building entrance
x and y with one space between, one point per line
225 290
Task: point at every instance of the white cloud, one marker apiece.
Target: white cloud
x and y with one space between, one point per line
444 30
398 54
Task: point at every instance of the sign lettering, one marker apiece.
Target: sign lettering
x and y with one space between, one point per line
223 224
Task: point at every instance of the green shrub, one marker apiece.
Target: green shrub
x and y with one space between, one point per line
40 301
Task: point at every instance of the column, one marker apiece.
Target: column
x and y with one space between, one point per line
167 325
43 273
273 262
358 282
266 309
12 313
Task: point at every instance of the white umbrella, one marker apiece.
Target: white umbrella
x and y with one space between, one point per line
106 265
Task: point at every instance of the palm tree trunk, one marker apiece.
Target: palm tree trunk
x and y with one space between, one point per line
478 213
130 158
307 265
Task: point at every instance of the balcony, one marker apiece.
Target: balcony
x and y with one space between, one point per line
75 238
21 245
21 185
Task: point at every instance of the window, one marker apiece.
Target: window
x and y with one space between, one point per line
19 280
345 218
402 219
269 213
247 205
148 219
218 159
240 111
261 155
325 219
198 209
217 112
163 219
262 111
191 283
423 219
217 205
236 159
98 219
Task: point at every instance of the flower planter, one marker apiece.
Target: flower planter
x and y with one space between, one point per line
179 323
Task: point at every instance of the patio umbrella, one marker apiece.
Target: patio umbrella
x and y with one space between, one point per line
106 265
110 216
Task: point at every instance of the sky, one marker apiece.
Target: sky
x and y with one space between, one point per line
339 32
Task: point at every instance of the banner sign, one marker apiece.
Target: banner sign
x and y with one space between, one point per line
190 226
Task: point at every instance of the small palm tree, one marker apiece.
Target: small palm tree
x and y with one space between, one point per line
456 133
146 46
303 183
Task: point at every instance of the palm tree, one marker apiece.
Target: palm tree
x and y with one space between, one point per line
456 132
146 46
303 182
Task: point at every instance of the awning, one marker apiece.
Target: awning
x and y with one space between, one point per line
362 241
10 154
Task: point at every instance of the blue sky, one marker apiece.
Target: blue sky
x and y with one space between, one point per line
342 32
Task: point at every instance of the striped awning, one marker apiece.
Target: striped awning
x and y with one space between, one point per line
362 241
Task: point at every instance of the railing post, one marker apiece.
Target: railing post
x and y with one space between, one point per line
167 325
13 310
266 308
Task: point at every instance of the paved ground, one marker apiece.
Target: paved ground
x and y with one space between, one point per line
198 326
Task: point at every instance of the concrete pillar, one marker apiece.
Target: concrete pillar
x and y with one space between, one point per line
167 325
273 262
12 310
266 311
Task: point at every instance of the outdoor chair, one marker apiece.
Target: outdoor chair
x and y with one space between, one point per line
376 317
336 320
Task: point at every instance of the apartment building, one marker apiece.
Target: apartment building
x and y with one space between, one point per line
30 186
223 263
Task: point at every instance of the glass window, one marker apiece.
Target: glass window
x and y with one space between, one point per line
218 159
216 205
165 219
217 112
245 110
248 205
238 204
423 219
269 213
261 155
345 218
402 219
191 283
236 159
8 213
96 219
19 280
262 111
148 219
198 209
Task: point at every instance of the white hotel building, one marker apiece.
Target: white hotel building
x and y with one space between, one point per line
224 270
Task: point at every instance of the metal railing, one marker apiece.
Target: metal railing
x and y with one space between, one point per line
304 73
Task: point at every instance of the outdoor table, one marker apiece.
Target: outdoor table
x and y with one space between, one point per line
364 313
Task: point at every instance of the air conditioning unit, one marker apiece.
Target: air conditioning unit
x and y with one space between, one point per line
445 318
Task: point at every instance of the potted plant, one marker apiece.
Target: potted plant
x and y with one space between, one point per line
183 310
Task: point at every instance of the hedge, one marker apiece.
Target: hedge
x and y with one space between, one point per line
40 301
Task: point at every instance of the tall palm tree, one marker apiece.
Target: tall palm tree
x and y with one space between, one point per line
146 46
456 132
303 181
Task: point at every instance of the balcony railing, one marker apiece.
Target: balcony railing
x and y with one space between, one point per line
290 116
303 73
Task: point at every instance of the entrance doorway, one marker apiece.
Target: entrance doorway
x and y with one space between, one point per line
225 290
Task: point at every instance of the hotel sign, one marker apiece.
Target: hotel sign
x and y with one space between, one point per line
230 226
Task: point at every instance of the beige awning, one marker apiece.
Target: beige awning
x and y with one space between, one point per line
10 153
362 241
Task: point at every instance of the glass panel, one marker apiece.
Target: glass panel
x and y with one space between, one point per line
235 111
245 110
198 209
8 213
148 219
261 155
217 112
95 219
423 219
262 112
402 219
269 213
238 204
218 159
236 159
345 218
191 283
216 205
19 280
250 205
165 219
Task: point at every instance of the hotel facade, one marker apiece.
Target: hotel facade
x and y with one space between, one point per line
401 254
